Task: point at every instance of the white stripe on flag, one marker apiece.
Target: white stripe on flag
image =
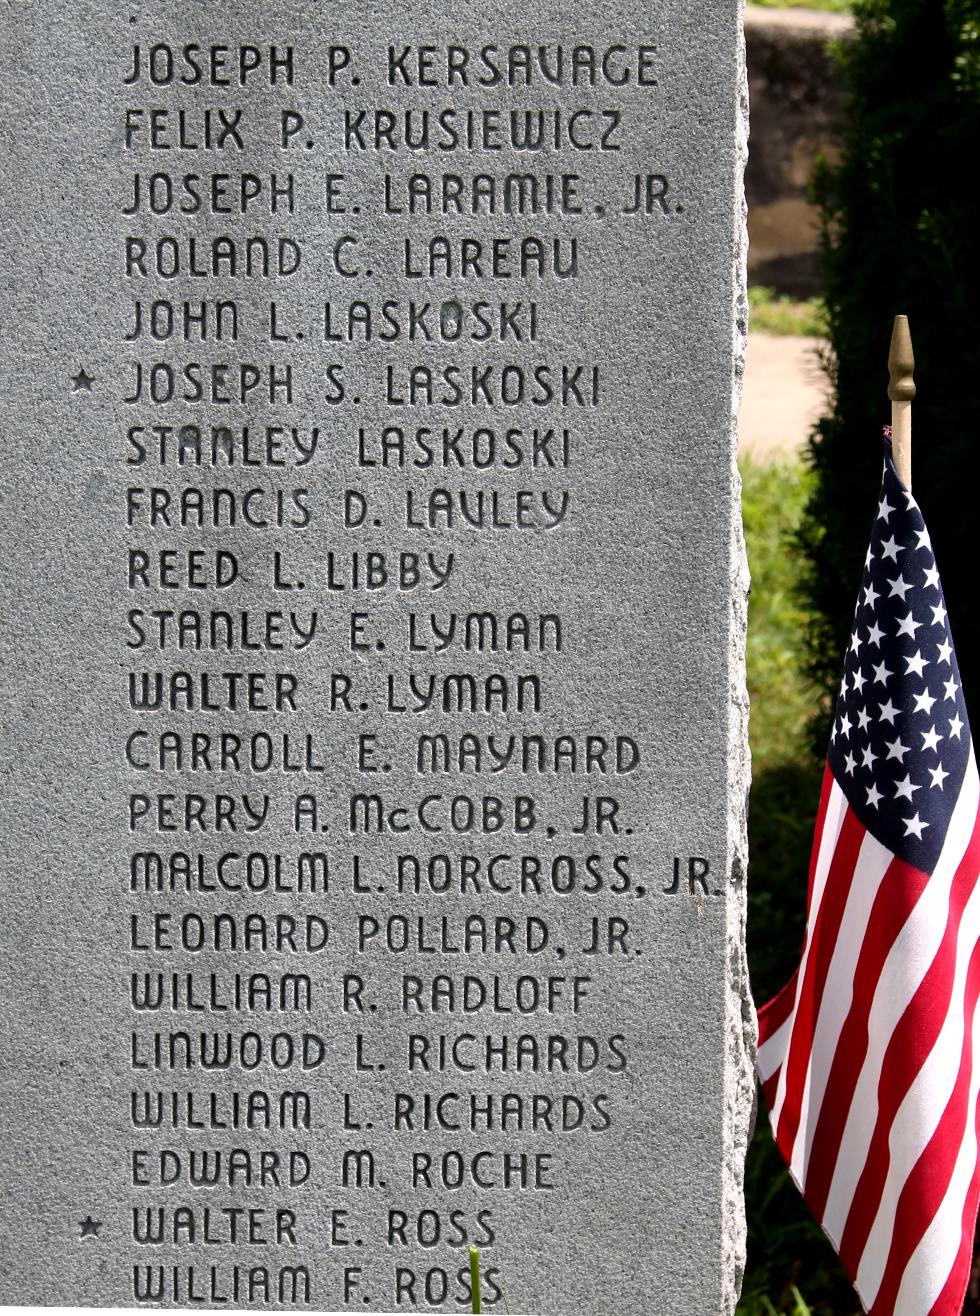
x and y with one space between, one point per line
919 1114
833 821
907 963
872 864
934 1258
773 1051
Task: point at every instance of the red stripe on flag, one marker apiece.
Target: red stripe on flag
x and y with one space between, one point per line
897 896
774 1013
771 1087
927 1184
825 929
954 1290
826 786
908 1049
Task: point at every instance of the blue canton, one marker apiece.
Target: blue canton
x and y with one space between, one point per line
901 739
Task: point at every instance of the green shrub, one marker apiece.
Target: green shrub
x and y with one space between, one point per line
771 313
786 1247
901 218
785 775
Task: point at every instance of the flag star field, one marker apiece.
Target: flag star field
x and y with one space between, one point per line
901 740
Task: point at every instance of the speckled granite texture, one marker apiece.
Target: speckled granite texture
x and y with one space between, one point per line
374 753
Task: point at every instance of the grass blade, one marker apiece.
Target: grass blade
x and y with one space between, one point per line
475 1278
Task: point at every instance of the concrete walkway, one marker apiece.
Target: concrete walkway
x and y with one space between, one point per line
800 20
784 394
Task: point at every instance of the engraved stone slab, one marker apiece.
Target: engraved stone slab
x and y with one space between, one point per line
373 720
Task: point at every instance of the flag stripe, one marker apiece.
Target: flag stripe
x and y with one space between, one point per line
916 1078
923 1191
830 795
772 1052
906 964
874 864
774 1014
945 1247
826 926
954 1291
888 917
870 1056
824 849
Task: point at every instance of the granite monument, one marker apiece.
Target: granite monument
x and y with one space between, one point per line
374 756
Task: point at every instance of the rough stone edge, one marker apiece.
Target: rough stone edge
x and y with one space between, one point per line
740 1021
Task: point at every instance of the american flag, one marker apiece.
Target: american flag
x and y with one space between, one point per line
869 1056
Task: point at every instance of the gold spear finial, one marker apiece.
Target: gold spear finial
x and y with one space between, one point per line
901 390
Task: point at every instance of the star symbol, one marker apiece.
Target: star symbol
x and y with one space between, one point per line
955 727
850 763
914 825
945 651
939 615
890 549
915 664
923 538
885 510
874 634
89 1228
869 758
855 643
951 688
82 382
859 681
908 626
899 587
905 789
939 775
863 719
932 577
845 725
881 673
923 702
888 712
931 739
871 596
896 750
874 795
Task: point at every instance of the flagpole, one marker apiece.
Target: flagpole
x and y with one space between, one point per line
901 390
